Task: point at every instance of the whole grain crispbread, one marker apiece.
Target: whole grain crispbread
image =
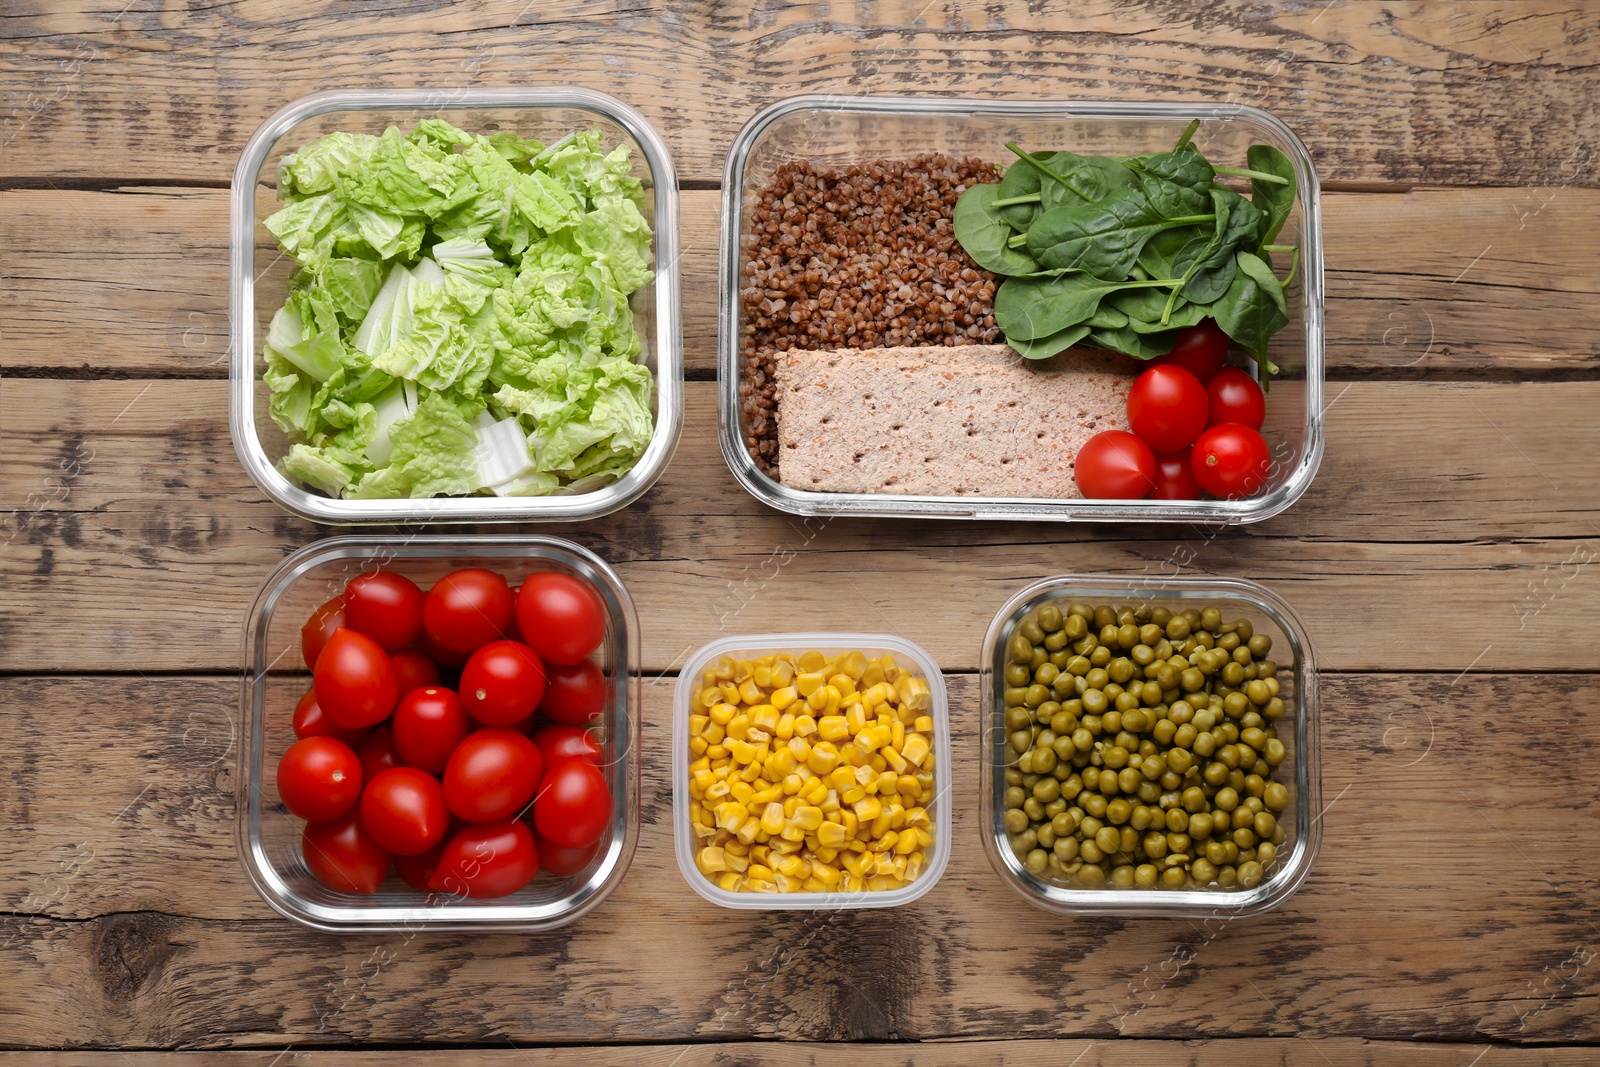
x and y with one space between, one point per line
972 420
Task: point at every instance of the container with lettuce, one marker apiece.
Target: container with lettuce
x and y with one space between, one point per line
459 319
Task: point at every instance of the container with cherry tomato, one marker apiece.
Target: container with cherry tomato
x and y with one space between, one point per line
449 738
1194 425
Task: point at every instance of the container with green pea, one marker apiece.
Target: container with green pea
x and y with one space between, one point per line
1150 747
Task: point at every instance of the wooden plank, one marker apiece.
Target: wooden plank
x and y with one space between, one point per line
138 543
132 910
1290 1052
1425 282
112 92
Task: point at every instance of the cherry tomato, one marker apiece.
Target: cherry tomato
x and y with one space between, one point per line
378 754
343 856
575 694
354 680
492 774
1200 349
319 628
1231 461
562 617
413 670
490 859
311 721
573 808
319 778
428 725
1174 479
416 870
385 606
1167 408
466 609
1234 396
502 683
440 655
403 809
563 742
560 860
1114 465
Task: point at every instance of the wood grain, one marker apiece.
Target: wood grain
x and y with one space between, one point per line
134 281
133 924
1289 1052
1492 93
135 541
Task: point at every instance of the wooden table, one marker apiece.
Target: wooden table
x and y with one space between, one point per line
1442 559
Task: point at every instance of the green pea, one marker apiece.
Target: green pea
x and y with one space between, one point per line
1050 618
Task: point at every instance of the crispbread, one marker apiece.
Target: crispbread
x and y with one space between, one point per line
970 420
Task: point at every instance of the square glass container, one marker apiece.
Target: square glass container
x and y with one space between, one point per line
1298 730
260 274
837 131
275 677
907 654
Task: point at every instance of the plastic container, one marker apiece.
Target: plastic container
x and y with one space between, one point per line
835 131
829 644
1298 730
260 278
275 677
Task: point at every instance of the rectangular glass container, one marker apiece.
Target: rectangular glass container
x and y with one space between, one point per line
275 677
260 274
829 644
837 131
1298 730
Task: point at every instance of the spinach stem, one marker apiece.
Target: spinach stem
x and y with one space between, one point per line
1280 248
1294 265
1026 198
1017 241
1254 175
1188 132
1040 167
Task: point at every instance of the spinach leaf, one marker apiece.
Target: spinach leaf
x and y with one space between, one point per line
1171 253
1045 347
1037 306
1090 177
1019 181
1145 306
1133 343
1253 308
1172 200
1273 200
981 232
1107 317
1183 166
1104 238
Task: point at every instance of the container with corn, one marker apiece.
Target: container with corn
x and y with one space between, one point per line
811 771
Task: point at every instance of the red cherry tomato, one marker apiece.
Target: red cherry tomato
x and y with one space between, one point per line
416 870
319 778
1114 465
403 809
1200 349
428 725
1234 396
319 628
492 775
563 742
343 856
385 606
502 683
491 859
575 694
466 609
413 670
1231 461
573 808
377 753
311 721
440 655
560 860
354 680
562 617
1174 479
1167 408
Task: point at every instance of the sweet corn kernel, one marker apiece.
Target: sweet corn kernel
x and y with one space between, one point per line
884 843
853 663
715 753
905 844
811 660
814 792
855 717
731 815
881 829
718 790
735 861
808 816
833 727
897 734
741 791
748 830
853 796
759 872
792 784
824 757
923 724
785 728
772 818
782 673
809 683
893 759
711 859
722 713
805 726
831 801
907 787
730 882
698 723
845 684
915 749
738 726
765 716
750 772
832 835
714 734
